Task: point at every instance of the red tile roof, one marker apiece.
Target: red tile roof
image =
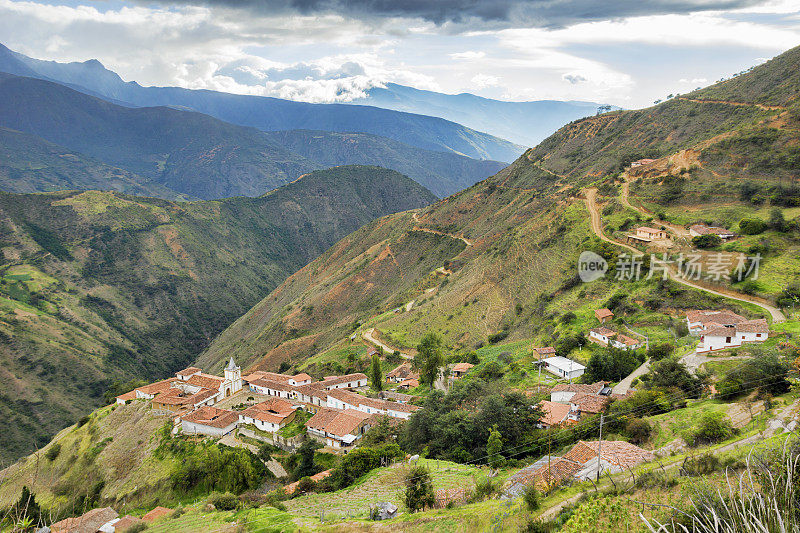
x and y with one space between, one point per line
274 385
158 386
157 513
125 523
617 452
589 403
547 350
462 367
593 388
275 411
554 412
721 317
206 381
602 330
702 229
400 371
176 396
212 417
604 313
127 396
302 377
753 326
338 380
89 522
338 422
291 487
188 371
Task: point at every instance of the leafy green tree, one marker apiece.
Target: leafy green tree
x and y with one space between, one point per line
494 447
660 351
752 226
376 374
712 427
776 219
419 489
361 461
670 373
765 370
611 364
306 465
429 358
706 241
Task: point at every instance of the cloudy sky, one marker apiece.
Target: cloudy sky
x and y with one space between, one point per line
623 52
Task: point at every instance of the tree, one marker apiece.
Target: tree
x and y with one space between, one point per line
776 220
752 226
670 373
376 374
765 370
660 351
494 445
26 507
712 427
306 465
419 489
429 358
706 241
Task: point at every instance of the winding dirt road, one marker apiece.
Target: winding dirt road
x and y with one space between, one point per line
597 228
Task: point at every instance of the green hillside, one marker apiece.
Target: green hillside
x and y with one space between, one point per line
31 164
98 286
500 256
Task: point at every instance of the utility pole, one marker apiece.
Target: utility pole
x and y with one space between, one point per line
600 445
539 384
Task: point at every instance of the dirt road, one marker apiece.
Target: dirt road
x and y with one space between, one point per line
369 336
597 228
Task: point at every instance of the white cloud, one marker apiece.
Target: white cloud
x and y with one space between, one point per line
574 78
469 55
481 81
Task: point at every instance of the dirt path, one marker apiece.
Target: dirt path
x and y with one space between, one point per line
625 199
625 385
740 104
594 211
443 234
369 336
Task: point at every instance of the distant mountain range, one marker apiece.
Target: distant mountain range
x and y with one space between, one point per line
526 123
171 153
269 114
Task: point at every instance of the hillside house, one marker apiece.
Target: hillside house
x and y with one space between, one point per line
395 396
702 320
563 392
721 337
90 522
563 367
400 373
544 352
269 387
339 428
554 414
701 229
349 381
609 337
409 383
229 384
209 420
182 396
270 415
603 315
586 404
342 399
460 369
648 234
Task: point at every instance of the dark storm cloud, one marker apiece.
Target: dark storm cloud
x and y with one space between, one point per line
545 13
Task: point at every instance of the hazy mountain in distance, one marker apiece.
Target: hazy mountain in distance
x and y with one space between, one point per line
526 123
270 114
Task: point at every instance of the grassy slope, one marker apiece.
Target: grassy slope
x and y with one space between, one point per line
31 164
100 286
526 232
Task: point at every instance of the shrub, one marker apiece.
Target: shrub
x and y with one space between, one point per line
711 428
706 241
660 351
752 226
497 337
702 465
492 371
136 528
224 502
638 431
484 488
419 489
670 373
764 369
305 484
52 452
531 497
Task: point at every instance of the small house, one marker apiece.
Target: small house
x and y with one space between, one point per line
547 351
209 420
701 229
563 367
603 315
460 369
271 415
721 337
646 233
